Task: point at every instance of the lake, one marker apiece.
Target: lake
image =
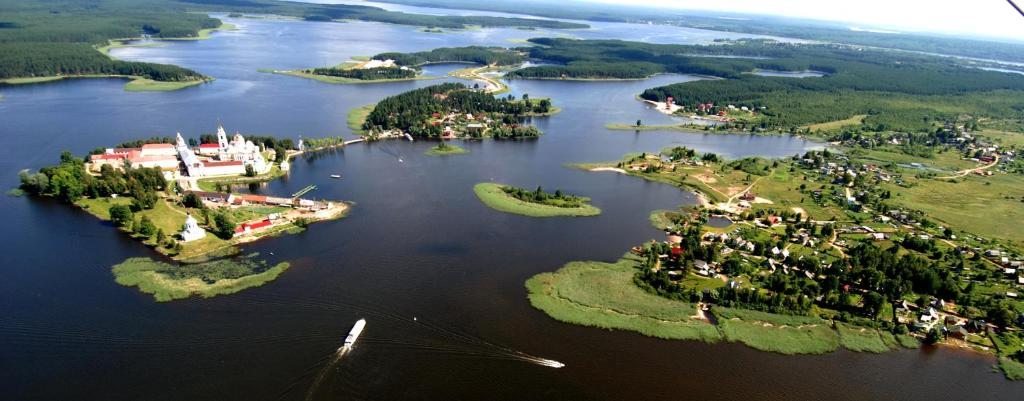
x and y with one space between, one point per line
418 244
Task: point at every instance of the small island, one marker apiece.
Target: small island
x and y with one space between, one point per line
444 149
152 191
357 72
450 111
392 67
535 203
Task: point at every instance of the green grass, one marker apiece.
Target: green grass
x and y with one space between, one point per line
1012 369
790 340
864 339
135 84
1005 138
492 195
210 184
357 116
837 125
992 209
603 295
168 282
30 80
447 149
149 85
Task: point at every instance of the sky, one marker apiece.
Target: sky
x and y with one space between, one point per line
992 18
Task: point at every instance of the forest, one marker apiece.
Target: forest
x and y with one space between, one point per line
781 27
894 90
43 38
48 59
417 111
467 54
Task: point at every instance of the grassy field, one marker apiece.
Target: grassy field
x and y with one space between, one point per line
32 80
950 161
993 208
165 216
167 282
1004 138
448 149
836 125
492 195
603 295
149 85
210 184
357 116
1012 369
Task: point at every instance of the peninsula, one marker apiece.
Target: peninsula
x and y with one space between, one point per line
818 251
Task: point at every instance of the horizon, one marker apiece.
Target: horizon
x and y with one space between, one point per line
991 19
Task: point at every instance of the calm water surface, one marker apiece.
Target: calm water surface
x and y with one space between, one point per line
417 244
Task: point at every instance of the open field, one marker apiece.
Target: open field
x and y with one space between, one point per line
993 208
492 195
836 125
603 295
167 282
357 116
210 184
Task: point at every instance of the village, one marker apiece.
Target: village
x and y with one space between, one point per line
803 233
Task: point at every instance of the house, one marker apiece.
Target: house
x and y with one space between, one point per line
216 197
929 315
878 236
248 227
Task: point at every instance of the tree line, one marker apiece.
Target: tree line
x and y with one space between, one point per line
467 54
365 74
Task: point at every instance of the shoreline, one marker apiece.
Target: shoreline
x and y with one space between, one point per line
136 83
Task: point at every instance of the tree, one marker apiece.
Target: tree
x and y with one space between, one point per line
191 200
160 236
250 171
146 227
121 215
873 303
639 123
142 197
223 226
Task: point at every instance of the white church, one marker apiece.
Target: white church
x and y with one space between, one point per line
222 158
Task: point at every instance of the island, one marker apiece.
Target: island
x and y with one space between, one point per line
536 203
392 67
152 191
807 254
444 149
450 111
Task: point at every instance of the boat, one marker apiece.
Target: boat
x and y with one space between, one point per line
353 334
335 175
